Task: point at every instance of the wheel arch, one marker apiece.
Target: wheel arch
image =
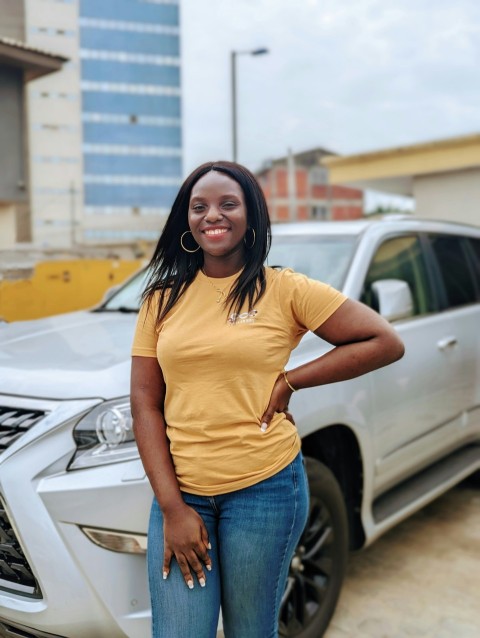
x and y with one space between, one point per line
337 447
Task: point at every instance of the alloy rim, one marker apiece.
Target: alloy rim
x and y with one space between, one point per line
310 573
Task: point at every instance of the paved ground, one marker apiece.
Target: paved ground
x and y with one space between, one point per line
421 580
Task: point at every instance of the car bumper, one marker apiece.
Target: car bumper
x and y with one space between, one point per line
83 590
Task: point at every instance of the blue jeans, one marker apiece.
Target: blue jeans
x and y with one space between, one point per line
253 533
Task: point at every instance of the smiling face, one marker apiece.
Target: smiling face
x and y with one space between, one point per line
217 217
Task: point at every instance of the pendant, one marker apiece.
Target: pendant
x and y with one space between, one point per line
221 296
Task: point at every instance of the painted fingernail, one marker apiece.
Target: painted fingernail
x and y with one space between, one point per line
202 582
209 546
190 584
264 427
209 567
165 574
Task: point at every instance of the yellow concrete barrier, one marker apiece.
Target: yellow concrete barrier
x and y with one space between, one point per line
57 286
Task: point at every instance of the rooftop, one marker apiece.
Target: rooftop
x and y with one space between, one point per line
393 221
307 159
448 143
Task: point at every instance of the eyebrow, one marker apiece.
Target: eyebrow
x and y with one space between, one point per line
227 196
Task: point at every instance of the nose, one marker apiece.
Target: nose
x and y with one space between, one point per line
213 214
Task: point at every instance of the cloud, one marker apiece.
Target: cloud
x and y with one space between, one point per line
349 75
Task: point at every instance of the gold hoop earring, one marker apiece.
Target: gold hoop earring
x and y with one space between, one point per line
181 243
254 238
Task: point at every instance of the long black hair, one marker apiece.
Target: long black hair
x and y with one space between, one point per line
173 269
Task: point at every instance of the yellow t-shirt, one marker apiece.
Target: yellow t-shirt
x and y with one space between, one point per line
219 373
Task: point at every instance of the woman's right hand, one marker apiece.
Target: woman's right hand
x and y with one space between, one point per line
186 538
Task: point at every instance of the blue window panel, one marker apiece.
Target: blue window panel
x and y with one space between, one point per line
134 134
115 195
106 102
107 71
128 41
130 10
132 165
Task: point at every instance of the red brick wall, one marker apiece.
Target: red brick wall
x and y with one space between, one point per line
302 213
335 192
282 182
301 179
346 212
342 192
282 213
338 197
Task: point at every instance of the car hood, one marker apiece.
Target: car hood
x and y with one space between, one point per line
83 355
72 356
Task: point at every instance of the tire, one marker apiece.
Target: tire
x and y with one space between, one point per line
318 567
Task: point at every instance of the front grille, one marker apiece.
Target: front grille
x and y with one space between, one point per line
14 422
15 572
19 631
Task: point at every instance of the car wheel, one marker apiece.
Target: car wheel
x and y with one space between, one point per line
318 567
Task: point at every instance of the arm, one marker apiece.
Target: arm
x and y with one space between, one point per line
185 534
364 342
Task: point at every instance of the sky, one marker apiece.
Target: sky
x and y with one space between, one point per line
346 75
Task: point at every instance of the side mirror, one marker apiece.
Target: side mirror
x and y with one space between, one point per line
394 298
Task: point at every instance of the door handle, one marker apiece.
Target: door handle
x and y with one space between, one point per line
447 342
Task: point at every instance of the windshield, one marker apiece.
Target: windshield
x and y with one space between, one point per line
320 257
128 298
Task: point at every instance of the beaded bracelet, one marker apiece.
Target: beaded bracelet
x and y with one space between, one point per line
287 381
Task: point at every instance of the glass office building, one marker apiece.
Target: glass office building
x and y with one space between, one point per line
131 111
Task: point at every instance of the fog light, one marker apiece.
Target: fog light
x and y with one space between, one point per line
117 541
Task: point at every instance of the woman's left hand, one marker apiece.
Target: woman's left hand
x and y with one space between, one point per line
279 399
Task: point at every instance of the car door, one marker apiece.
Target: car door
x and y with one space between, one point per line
457 267
412 407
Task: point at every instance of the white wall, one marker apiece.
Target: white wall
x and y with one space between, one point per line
453 196
55 125
7 226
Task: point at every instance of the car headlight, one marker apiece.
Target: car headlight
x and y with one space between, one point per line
104 435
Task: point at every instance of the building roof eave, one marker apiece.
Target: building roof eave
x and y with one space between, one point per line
33 61
395 167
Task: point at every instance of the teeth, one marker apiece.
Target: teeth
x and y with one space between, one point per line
216 231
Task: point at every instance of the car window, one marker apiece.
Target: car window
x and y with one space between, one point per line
474 249
455 270
401 258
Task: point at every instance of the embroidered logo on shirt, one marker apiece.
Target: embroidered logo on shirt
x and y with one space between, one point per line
243 317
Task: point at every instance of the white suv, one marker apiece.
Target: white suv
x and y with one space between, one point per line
74 499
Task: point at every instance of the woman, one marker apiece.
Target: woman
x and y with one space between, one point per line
210 405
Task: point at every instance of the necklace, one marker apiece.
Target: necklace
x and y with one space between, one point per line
219 291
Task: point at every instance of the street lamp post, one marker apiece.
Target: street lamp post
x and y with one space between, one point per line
233 61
